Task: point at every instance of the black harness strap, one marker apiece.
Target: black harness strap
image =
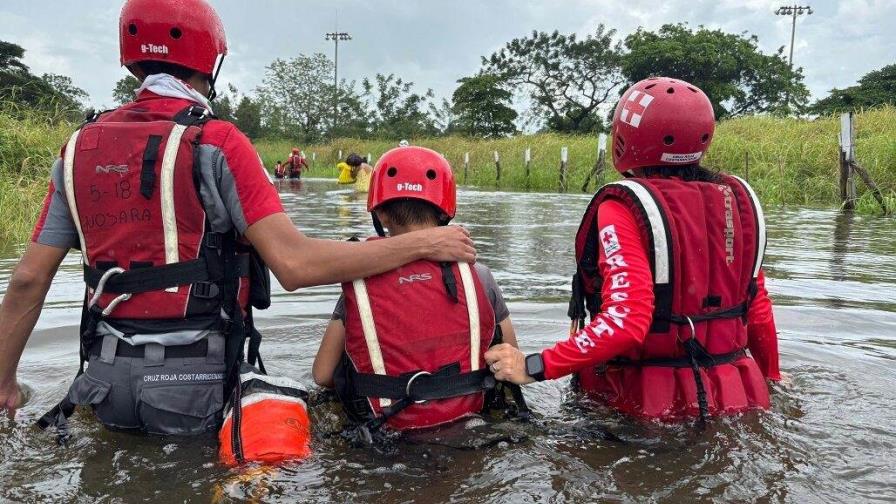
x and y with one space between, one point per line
443 384
136 281
148 173
705 360
737 311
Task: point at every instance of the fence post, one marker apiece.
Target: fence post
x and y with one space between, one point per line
527 157
847 158
564 158
369 158
497 167
598 169
340 156
313 158
466 165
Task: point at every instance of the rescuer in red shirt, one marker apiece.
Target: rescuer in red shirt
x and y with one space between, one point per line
669 265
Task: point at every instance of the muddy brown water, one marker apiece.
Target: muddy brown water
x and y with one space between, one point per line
828 438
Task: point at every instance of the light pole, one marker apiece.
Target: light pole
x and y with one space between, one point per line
336 36
794 11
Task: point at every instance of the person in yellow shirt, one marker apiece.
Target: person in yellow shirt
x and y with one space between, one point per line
361 172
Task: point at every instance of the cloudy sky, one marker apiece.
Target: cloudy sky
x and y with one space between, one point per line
435 42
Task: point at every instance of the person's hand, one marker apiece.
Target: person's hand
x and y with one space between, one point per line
508 364
449 244
10 396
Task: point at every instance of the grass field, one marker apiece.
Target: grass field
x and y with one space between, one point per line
29 143
791 161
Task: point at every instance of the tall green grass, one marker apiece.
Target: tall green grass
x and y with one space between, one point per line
791 161
29 143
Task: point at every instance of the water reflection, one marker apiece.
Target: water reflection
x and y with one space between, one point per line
827 438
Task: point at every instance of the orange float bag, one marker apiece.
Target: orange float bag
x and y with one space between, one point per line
270 425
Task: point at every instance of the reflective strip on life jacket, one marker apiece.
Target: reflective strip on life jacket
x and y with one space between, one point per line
466 277
661 245
369 328
68 169
761 238
166 186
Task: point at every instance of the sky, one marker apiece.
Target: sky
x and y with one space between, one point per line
435 42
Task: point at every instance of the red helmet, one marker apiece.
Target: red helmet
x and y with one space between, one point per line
188 33
414 172
295 150
661 121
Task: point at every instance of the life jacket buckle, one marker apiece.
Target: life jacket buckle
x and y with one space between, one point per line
407 388
202 112
214 240
205 290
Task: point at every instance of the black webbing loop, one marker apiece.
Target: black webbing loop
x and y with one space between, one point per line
449 281
236 408
695 349
148 173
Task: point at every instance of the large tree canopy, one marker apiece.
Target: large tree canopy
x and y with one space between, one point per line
482 107
124 89
874 89
297 95
729 68
568 79
396 111
49 92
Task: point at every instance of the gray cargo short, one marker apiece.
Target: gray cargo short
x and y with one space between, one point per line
154 393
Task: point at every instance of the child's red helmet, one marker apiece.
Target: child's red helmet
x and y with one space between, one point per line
414 173
661 121
188 33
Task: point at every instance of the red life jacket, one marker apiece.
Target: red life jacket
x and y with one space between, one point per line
131 183
408 340
295 164
705 243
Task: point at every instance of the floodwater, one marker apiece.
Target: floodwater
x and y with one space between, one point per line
828 438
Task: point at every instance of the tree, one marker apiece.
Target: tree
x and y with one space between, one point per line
568 79
874 89
51 93
297 98
11 57
397 111
738 78
482 107
124 89
248 117
443 117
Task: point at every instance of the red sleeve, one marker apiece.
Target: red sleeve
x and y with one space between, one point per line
258 197
627 298
762 335
45 209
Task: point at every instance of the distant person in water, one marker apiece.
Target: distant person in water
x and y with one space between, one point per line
279 170
670 269
296 164
406 335
361 171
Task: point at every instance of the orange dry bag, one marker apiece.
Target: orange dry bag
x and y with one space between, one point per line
270 424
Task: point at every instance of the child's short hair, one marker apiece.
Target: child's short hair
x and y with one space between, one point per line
407 211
